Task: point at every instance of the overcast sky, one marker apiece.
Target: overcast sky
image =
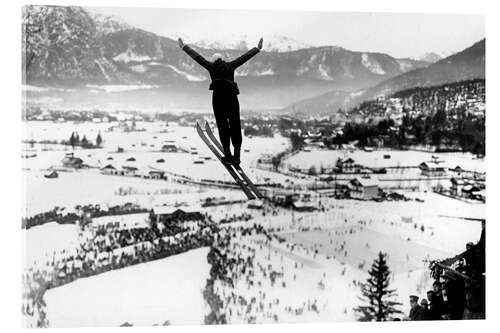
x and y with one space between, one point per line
400 35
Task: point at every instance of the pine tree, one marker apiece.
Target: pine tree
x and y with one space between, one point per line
72 140
98 140
84 141
377 295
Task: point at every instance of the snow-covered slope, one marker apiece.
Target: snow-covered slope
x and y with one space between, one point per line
142 295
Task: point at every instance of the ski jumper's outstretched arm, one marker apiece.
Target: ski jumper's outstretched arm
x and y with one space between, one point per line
195 55
247 56
244 58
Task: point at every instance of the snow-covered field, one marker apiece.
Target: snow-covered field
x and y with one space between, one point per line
327 158
363 246
84 187
170 289
89 186
142 295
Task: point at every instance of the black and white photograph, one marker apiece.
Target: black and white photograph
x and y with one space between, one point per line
197 166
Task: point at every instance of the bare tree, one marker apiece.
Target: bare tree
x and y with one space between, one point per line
32 33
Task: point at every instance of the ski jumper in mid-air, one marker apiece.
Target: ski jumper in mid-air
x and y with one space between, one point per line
225 97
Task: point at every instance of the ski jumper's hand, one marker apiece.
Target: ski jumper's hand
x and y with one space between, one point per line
245 57
181 43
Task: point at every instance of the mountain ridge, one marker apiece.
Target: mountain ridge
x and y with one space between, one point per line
79 51
464 65
106 38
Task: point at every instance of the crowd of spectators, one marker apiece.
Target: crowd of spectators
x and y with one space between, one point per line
61 216
244 286
243 217
457 293
106 248
458 289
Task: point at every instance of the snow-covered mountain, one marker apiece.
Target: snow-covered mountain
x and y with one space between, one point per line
106 24
431 57
73 45
70 47
272 43
467 64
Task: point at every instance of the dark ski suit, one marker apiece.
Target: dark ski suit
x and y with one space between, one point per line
225 97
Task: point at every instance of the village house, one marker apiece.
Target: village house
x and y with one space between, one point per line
471 191
156 174
363 188
128 171
458 170
70 161
109 170
456 186
169 148
283 198
346 165
169 214
431 170
469 174
265 159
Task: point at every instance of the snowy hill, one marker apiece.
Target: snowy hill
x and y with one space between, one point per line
137 294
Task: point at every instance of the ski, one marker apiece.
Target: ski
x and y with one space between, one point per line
236 167
231 171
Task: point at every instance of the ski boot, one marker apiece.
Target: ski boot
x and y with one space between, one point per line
236 157
227 158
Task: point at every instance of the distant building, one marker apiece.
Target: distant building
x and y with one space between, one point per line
169 214
283 198
470 191
129 171
431 170
363 188
169 148
458 170
456 186
346 165
109 170
71 161
156 174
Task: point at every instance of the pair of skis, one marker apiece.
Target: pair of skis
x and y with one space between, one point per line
239 176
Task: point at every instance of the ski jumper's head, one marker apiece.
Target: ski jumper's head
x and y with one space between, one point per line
216 56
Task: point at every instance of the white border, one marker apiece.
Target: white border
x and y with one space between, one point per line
10 235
